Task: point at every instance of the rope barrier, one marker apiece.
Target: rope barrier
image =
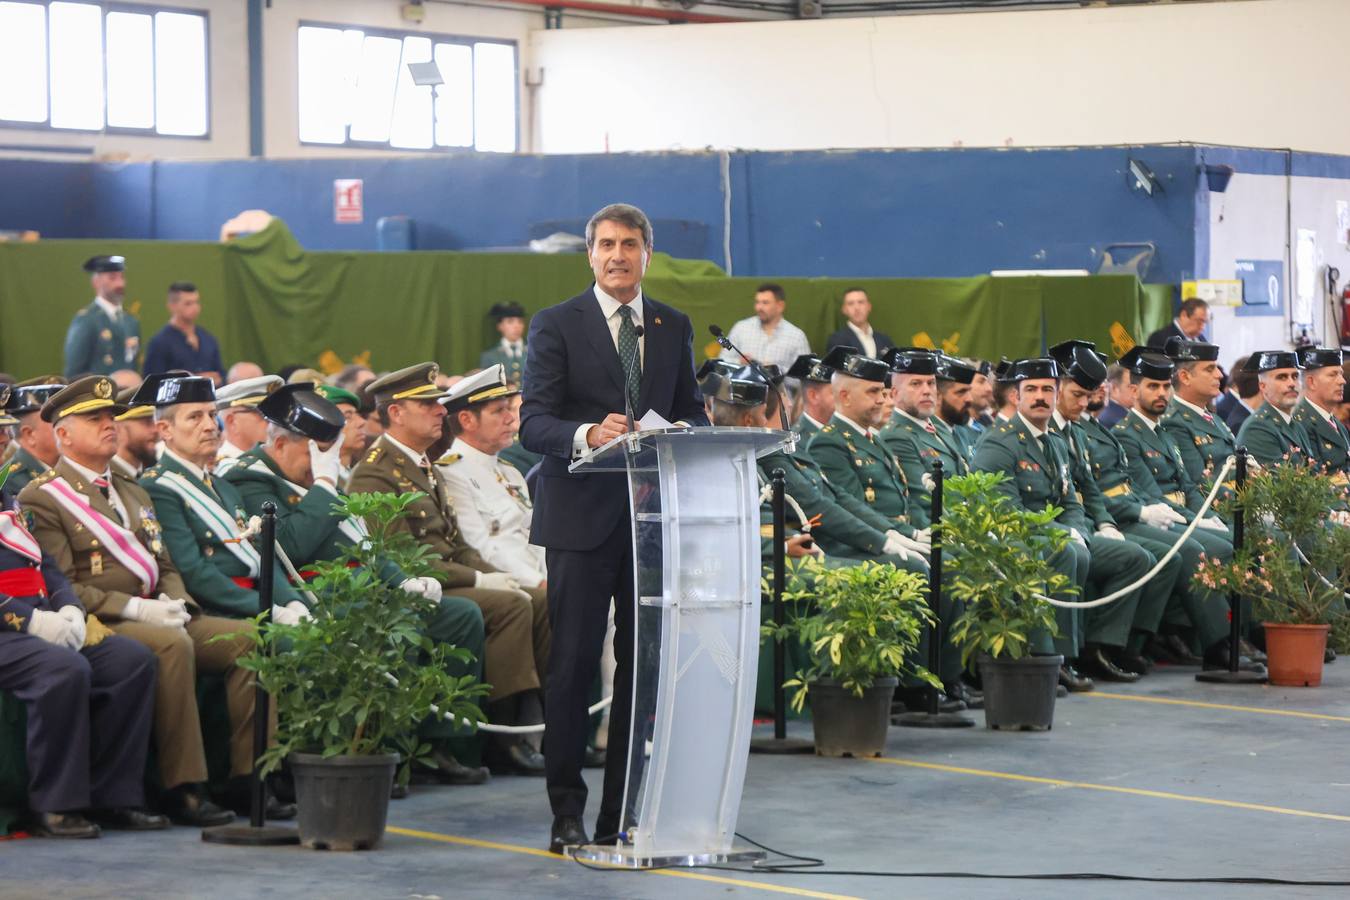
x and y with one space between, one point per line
1149 575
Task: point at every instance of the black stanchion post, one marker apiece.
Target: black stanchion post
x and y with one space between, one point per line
257 833
779 743
1233 674
932 717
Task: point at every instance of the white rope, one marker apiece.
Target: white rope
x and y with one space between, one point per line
1320 577
1147 576
766 494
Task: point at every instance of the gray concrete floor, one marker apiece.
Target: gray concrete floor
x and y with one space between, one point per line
1120 785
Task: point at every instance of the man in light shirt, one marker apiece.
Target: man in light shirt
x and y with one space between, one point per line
858 333
767 337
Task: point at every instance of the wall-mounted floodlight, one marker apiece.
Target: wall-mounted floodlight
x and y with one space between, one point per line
1217 177
426 73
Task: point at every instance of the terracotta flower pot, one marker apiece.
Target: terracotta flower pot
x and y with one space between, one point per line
1295 653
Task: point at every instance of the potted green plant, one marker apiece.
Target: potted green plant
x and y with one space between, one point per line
863 625
999 570
1294 566
352 683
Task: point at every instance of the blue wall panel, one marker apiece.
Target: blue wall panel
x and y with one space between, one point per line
51 197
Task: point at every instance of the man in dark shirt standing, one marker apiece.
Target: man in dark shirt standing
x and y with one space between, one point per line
181 344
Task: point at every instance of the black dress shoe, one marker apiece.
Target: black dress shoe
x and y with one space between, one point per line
445 769
187 805
1131 662
1072 681
1248 649
1061 691
127 819
916 700
1170 648
1329 656
567 832
594 759
1100 662
398 792
958 690
64 825
1216 659
607 828
516 759
239 798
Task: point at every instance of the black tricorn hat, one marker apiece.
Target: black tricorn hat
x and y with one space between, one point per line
809 367
742 387
911 361
27 398
1080 361
1319 357
149 388
1003 371
1147 362
1269 360
850 362
949 368
1038 367
507 310
1178 349
176 389
301 410
984 367
96 264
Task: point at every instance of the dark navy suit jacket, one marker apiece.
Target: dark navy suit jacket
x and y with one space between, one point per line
845 337
573 376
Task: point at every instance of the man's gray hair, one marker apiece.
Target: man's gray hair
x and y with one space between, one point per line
624 214
166 413
275 432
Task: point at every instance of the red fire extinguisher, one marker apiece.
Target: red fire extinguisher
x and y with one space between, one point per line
1345 317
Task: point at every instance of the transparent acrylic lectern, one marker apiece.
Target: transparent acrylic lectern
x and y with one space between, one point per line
694 494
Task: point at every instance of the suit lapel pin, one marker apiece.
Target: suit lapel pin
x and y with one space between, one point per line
657 320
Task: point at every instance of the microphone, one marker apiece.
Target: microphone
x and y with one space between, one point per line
716 332
639 330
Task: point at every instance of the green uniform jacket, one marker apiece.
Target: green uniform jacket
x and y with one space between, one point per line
805 429
523 460
95 345
966 438
307 527
1152 453
1125 489
198 549
24 467
860 465
1270 439
1037 476
1204 444
1088 492
1328 442
845 521
514 365
917 448
431 520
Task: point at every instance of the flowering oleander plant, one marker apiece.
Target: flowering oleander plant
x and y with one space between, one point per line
1294 564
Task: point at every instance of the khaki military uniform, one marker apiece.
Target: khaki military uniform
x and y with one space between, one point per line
104 585
518 635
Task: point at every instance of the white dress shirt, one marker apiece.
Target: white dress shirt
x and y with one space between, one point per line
113 310
513 348
493 509
609 308
866 338
90 475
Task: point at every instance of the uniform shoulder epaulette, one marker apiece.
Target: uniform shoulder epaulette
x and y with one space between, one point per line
828 429
374 455
149 474
1004 427
41 479
83 311
449 459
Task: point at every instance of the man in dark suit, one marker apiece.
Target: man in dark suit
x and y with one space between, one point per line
1189 325
1248 388
858 334
588 360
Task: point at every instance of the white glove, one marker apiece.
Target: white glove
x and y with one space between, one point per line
326 464
424 586
914 546
1340 517
164 611
53 628
928 482
924 538
1110 531
499 581
1158 515
893 547
1077 538
1209 523
75 616
292 613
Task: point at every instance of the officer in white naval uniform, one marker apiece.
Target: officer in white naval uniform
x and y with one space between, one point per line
491 500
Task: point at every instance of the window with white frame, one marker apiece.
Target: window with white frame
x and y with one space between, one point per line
103 66
356 89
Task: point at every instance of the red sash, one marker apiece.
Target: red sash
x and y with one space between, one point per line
24 582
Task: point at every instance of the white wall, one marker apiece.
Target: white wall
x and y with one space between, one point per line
1257 73
228 61
1248 221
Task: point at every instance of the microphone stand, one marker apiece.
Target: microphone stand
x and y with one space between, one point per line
726 343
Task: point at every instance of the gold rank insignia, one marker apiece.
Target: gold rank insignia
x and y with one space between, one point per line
106 334
766 531
857 462
870 494
95 563
293 499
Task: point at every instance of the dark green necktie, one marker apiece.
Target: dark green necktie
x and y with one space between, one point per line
628 355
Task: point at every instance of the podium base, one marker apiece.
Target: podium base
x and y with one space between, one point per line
781 746
1223 676
248 836
622 856
936 720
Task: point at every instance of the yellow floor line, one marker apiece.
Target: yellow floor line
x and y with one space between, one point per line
553 857
1113 789
1264 710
